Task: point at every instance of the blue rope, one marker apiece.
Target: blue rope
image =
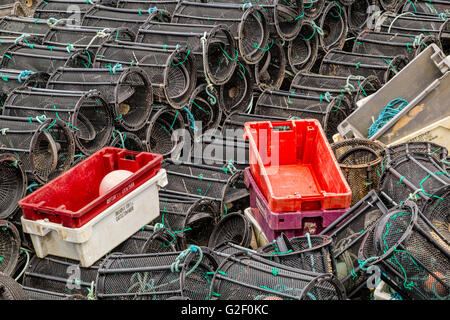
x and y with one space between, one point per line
191 119
24 74
386 115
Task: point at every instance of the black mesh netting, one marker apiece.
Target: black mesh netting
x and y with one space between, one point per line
13 184
353 87
333 25
212 46
86 113
235 196
359 160
437 152
54 277
18 26
436 210
70 10
330 112
9 247
348 232
236 121
311 253
412 254
45 147
414 176
173 212
390 5
13 79
341 63
426 7
270 70
135 243
10 289
127 140
234 228
167 5
248 25
127 90
313 8
162 240
244 276
172 72
360 13
156 276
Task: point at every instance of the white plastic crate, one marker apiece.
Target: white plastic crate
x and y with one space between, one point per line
103 233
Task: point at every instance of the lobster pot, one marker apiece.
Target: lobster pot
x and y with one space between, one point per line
18 26
359 160
413 176
204 111
173 212
86 113
244 276
102 16
167 5
215 52
12 9
162 240
302 51
437 152
388 44
437 212
85 37
237 94
161 134
135 243
288 105
391 5
235 196
333 23
72 10
341 63
354 88
172 73
412 254
42 58
235 122
128 91
127 140
270 70
313 8
54 278
234 228
45 148
12 185
11 289
190 180
348 232
426 7
155 276
226 249
13 79
359 13
310 253
248 25
9 247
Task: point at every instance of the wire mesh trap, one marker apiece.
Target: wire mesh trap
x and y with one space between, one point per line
436 211
353 87
248 25
13 184
359 160
347 233
43 58
437 152
162 240
45 148
135 243
20 27
127 90
156 276
234 228
172 72
310 253
173 212
359 14
270 70
159 135
245 276
85 37
388 44
302 52
127 140
313 8
167 5
426 7
410 253
10 289
86 113
58 278
330 112
414 176
235 196
13 79
341 63
9 247
212 46
333 27
71 11
237 94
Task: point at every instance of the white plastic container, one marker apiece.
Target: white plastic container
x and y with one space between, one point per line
381 293
103 233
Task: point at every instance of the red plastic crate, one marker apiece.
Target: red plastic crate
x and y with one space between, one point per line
72 199
294 166
317 219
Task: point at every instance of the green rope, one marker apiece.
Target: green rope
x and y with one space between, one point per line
187 55
267 49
